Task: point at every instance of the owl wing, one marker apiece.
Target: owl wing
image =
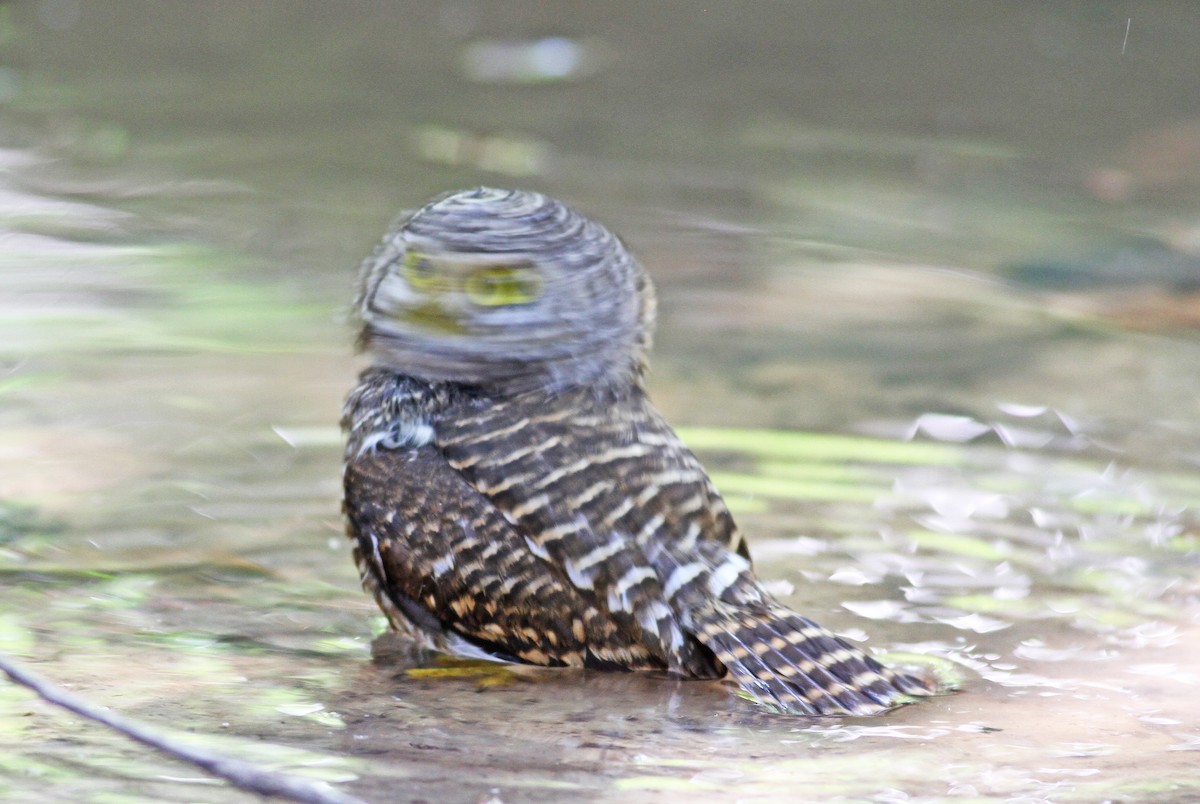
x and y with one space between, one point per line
605 490
443 557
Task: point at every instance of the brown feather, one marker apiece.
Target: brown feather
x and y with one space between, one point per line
512 492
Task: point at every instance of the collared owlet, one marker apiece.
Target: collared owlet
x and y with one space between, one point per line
512 493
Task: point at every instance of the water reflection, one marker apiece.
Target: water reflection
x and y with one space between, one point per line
953 276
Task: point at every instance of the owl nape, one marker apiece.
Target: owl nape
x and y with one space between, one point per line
512 494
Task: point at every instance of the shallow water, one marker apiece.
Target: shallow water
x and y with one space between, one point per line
962 248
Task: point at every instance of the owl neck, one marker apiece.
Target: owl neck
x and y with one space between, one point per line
511 374
390 410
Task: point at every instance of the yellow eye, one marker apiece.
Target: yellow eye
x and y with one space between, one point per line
500 286
420 272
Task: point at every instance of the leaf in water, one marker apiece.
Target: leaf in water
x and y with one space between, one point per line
486 674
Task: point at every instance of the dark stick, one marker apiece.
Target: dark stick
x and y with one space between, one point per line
237 772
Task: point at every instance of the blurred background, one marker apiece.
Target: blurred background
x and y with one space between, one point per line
962 239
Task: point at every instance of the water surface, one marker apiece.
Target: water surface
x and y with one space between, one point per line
928 285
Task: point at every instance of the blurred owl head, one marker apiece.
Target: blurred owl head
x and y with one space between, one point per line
506 288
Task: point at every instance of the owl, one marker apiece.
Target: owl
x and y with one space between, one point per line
512 494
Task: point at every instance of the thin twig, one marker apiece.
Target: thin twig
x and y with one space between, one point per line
237 772
1128 23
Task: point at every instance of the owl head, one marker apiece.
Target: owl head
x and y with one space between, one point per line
508 289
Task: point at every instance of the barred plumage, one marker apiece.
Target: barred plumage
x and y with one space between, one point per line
512 492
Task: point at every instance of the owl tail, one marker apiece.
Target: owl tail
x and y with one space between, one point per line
788 662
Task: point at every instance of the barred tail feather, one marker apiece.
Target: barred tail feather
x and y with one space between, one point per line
790 663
